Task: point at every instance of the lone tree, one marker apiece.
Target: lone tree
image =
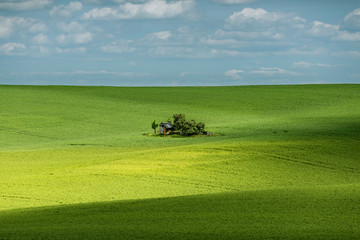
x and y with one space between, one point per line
187 127
154 125
179 121
182 126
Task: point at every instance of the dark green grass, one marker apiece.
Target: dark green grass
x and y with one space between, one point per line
48 117
321 213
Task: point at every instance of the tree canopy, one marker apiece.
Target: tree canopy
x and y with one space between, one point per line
187 127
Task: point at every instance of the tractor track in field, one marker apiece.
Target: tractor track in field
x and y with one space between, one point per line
187 181
314 163
16 131
24 198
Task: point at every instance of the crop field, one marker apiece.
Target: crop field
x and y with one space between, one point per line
80 163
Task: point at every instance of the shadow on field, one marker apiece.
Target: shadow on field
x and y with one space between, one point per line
300 129
323 213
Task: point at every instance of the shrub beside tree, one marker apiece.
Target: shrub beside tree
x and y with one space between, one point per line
154 125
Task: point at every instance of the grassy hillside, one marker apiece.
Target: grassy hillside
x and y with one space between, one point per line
75 163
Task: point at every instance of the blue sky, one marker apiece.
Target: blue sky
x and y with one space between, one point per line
179 42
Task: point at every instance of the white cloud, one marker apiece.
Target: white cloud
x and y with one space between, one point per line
272 24
102 13
355 13
234 1
180 36
82 37
274 71
250 16
243 34
38 27
41 39
70 50
61 38
163 35
6 27
171 51
303 64
352 20
352 53
233 74
39 50
23 5
120 46
152 9
220 42
13 49
74 33
78 38
348 36
71 27
321 29
65 11
251 23
9 25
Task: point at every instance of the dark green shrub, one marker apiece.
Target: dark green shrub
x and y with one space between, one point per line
187 127
154 125
200 127
179 121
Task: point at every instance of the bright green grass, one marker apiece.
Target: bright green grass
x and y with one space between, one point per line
75 163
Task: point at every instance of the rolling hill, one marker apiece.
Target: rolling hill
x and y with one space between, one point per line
76 162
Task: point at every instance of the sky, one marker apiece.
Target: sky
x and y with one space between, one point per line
179 42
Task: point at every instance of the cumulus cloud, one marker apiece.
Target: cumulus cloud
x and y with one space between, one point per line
352 20
23 5
251 23
70 50
163 35
348 36
321 29
152 9
178 52
251 27
234 74
10 25
71 27
82 37
79 38
257 18
120 46
40 39
6 27
13 49
74 33
37 27
65 10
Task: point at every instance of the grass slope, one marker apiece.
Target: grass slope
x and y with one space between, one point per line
275 214
286 164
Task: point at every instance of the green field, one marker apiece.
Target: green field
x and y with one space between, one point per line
284 164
